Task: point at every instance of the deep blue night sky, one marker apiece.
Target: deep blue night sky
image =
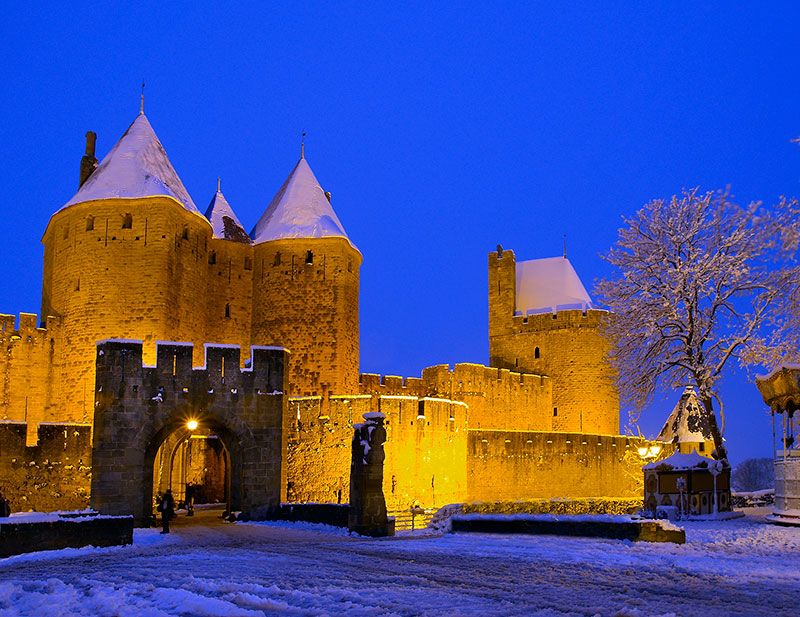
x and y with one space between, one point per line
440 133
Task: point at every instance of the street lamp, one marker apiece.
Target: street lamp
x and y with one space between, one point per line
191 424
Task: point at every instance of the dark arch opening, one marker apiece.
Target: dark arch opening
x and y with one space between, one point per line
167 450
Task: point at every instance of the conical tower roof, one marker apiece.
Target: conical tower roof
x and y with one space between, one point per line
688 422
137 166
299 209
224 221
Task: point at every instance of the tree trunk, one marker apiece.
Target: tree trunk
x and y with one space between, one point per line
719 453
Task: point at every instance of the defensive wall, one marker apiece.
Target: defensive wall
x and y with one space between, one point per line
436 454
53 475
567 345
497 398
425 449
29 363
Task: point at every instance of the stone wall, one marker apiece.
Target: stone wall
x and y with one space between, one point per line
497 398
55 474
28 362
510 465
568 346
425 448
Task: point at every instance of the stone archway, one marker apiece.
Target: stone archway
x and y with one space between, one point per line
137 407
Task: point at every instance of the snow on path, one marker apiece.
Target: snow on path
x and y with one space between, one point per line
740 567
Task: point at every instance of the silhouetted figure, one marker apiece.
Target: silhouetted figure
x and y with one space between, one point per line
190 491
167 509
5 506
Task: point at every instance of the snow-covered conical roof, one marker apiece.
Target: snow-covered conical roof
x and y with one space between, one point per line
549 284
299 209
137 166
224 221
688 422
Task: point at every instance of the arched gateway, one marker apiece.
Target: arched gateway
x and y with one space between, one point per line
138 407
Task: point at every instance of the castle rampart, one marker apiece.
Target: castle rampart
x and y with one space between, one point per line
497 398
54 474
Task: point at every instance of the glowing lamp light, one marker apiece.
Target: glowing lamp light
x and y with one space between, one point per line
655 450
649 451
191 425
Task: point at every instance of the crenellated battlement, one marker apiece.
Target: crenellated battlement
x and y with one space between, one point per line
442 380
25 328
120 363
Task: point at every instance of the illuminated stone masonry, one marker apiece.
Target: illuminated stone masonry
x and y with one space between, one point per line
131 258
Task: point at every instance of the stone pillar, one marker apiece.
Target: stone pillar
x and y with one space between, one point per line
367 504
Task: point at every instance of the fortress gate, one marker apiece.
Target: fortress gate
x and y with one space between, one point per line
138 407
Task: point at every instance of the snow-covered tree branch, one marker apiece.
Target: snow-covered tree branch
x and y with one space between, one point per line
701 281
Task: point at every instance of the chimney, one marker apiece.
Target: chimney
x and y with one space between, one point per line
89 161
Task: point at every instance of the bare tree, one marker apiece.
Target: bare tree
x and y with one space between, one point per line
700 281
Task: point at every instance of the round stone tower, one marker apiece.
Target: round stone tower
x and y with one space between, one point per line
124 258
305 287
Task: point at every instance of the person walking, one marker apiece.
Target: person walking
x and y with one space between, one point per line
5 506
190 490
167 509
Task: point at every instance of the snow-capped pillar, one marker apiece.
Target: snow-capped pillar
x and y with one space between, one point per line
367 515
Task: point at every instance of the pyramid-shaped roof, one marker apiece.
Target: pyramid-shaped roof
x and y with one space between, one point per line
549 284
137 166
299 209
688 422
224 221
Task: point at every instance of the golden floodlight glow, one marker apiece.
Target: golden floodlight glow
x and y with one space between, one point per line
191 424
655 450
643 451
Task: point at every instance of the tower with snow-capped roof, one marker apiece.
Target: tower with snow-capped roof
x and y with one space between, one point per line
542 321
306 286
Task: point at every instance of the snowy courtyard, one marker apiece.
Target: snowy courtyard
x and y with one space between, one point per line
739 567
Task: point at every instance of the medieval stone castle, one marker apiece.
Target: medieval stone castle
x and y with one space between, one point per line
133 268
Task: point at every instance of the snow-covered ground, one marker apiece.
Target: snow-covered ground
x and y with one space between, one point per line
739 567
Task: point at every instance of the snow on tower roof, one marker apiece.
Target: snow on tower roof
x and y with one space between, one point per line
688 422
299 209
679 461
137 166
549 284
224 221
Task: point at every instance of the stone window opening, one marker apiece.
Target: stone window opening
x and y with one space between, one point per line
212 258
227 312
702 446
555 411
127 221
66 232
309 258
536 353
248 263
277 260
78 284
185 233
89 223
